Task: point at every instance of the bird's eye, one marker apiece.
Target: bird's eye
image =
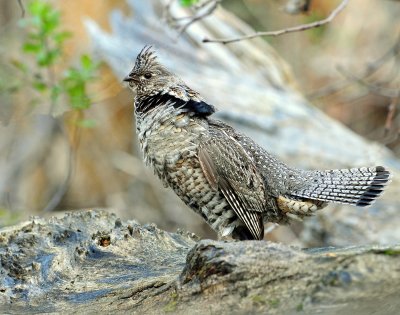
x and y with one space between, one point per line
147 75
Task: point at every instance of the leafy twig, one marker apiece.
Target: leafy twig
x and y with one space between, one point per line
51 78
297 28
45 42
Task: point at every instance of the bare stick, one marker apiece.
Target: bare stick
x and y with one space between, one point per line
391 114
199 16
62 189
372 88
297 28
201 11
370 69
21 7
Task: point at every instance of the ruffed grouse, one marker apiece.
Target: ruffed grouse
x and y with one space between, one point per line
223 175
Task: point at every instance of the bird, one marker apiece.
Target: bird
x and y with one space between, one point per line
233 183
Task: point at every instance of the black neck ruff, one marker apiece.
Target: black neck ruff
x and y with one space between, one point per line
199 108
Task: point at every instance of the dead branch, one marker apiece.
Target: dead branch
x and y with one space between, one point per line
372 88
297 28
21 7
200 15
370 69
63 188
201 10
390 115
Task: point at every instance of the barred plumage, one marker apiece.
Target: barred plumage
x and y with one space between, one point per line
356 186
223 175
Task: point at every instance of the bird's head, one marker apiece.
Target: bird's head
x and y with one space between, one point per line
148 76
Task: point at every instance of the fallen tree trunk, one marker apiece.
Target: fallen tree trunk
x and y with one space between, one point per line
91 261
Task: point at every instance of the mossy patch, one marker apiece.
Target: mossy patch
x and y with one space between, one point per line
258 299
389 252
300 307
274 303
171 305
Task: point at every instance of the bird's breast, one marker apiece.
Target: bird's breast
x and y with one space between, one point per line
169 142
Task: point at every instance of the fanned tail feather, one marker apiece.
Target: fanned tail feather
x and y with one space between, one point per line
356 186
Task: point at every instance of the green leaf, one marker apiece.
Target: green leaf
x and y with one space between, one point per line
87 123
36 7
86 62
89 68
75 89
42 58
188 3
72 76
46 58
51 21
31 47
60 37
79 101
45 41
75 82
39 86
44 17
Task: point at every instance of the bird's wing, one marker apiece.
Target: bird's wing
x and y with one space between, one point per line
229 168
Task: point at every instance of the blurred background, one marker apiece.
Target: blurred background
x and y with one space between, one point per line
327 97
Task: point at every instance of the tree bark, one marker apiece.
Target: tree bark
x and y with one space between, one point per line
91 261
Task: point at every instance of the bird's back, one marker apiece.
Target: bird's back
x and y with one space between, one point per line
299 193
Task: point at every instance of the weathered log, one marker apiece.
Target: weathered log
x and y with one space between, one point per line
91 261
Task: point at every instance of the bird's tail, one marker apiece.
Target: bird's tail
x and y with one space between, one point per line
356 186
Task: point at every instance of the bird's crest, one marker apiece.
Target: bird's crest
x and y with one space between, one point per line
146 58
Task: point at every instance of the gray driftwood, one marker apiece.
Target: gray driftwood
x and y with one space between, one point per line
90 262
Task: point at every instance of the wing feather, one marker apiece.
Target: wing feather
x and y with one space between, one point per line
229 168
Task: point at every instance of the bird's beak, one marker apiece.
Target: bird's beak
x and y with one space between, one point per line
132 80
